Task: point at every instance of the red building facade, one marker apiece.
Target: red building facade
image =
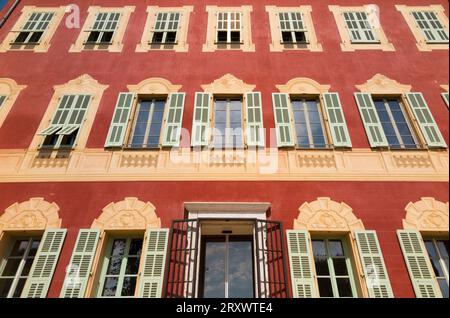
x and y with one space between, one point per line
336 184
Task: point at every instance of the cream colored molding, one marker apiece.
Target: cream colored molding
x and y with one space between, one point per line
10 89
44 43
18 165
35 214
422 44
383 85
129 214
427 215
246 29
444 87
85 85
117 39
228 84
346 44
276 46
182 45
303 85
325 214
154 85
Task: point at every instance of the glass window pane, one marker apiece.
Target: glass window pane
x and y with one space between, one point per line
11 267
325 289
114 265
340 266
443 285
344 287
129 286
431 249
19 287
214 270
336 248
435 262
34 247
110 287
5 285
19 248
27 267
119 247
132 265
321 266
135 247
240 277
319 248
443 248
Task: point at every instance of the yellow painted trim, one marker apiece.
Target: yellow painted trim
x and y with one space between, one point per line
380 84
44 44
422 44
305 11
182 45
303 86
117 40
246 30
228 84
445 87
427 215
346 44
154 85
11 90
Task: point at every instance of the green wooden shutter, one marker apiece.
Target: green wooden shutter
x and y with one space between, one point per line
301 264
336 120
425 120
375 272
444 96
38 22
44 264
106 22
79 269
431 27
60 117
418 264
172 130
152 276
282 120
255 129
2 100
77 114
359 27
201 125
119 122
371 121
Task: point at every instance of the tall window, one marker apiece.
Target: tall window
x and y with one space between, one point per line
229 27
292 27
359 27
120 268
333 268
16 267
148 123
34 28
438 252
166 28
431 27
228 131
309 125
395 123
102 32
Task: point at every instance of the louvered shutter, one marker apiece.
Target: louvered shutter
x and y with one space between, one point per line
418 264
444 96
375 272
106 21
425 120
76 115
359 27
200 125
152 276
282 120
372 123
2 100
301 264
41 272
60 116
79 269
38 22
119 122
431 27
336 120
172 130
255 129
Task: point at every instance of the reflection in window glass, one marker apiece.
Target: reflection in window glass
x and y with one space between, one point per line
148 124
308 123
438 252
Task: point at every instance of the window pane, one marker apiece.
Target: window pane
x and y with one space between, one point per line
118 247
325 289
5 285
135 247
114 265
240 275
19 287
110 286
27 267
344 287
430 248
19 248
11 267
443 285
132 265
340 266
321 266
319 248
129 286
34 247
435 262
214 281
336 248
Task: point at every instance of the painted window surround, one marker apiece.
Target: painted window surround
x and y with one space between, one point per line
182 45
346 44
117 40
246 32
422 44
305 11
10 89
84 84
44 44
444 88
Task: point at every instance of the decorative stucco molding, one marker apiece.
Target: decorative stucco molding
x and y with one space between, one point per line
154 85
228 84
427 215
129 214
325 214
381 84
303 85
35 214
10 89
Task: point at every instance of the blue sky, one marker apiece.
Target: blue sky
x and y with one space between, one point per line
2 3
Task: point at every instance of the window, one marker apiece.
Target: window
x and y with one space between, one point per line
102 31
333 268
292 27
147 125
166 28
438 250
121 267
67 122
395 123
229 27
309 127
228 123
16 267
359 27
2 100
32 31
431 27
